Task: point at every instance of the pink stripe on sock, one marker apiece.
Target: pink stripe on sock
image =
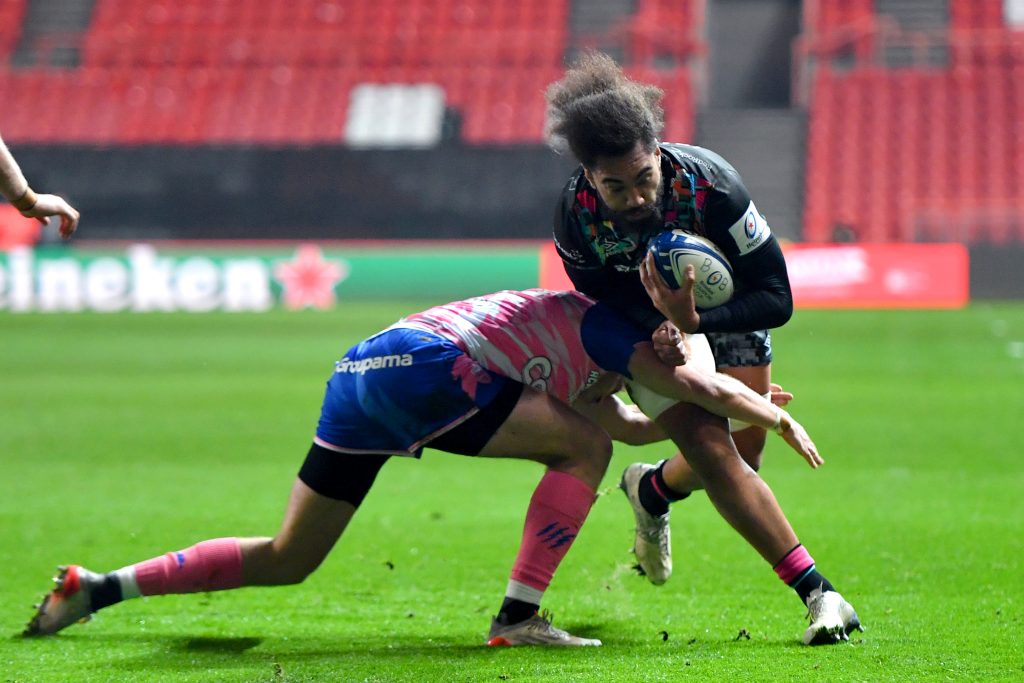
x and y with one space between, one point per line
795 563
657 489
558 508
208 566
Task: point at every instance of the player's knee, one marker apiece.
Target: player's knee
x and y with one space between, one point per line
595 448
587 453
599 454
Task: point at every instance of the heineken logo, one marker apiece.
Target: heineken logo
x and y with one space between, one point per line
141 279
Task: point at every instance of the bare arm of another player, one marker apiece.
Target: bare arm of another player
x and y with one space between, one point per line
623 422
16 189
721 395
626 423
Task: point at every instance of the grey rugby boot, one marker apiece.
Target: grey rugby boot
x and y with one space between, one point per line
832 618
537 630
653 543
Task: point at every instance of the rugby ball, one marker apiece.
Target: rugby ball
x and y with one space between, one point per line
674 250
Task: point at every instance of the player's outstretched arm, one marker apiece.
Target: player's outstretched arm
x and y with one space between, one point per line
16 189
47 205
623 423
721 395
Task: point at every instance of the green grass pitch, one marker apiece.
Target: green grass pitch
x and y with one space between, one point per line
125 436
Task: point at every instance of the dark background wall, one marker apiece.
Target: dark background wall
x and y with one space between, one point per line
995 271
326 192
453 192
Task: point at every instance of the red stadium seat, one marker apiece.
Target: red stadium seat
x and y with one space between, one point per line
976 14
280 71
12 13
889 147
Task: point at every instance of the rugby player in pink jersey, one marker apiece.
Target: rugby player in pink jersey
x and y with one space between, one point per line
492 376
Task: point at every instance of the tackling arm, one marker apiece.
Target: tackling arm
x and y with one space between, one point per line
721 395
623 423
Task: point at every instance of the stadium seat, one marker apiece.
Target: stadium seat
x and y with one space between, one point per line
821 17
216 71
12 13
904 146
976 14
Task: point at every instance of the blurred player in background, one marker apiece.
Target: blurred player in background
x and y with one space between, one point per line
15 188
491 376
629 187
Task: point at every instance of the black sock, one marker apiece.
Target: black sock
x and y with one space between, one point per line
810 581
655 494
513 611
106 593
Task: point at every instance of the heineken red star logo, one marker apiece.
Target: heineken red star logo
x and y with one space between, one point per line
308 280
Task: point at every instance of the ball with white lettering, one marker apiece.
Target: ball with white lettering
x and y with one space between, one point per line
674 250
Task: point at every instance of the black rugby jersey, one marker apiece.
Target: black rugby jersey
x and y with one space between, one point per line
702 194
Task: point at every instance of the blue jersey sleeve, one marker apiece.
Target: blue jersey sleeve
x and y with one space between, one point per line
610 339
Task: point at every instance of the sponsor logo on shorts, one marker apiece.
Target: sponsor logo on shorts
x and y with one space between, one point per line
363 365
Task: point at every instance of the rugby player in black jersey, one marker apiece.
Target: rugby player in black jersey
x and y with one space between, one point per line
629 187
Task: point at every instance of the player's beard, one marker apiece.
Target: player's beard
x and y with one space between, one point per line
648 218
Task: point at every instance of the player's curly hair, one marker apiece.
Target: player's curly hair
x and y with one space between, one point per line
595 111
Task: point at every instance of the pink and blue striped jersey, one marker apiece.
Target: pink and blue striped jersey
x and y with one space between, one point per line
536 336
431 371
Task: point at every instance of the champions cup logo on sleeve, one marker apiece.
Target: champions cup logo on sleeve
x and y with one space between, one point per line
362 365
750 231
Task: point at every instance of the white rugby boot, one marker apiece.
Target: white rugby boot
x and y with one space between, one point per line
832 618
537 630
652 544
68 603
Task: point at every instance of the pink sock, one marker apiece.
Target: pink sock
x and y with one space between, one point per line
558 508
208 566
796 562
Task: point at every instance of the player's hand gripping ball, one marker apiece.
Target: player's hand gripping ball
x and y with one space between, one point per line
674 250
